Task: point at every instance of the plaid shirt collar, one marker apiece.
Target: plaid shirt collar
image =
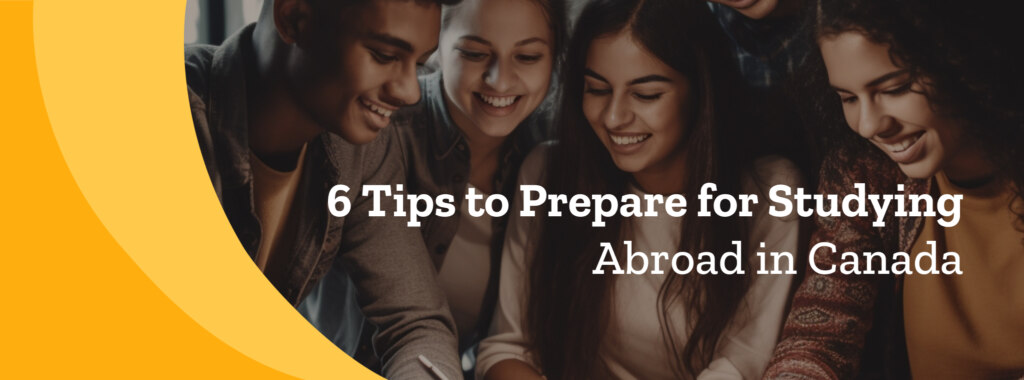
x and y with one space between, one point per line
767 50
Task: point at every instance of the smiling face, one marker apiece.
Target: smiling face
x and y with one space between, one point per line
883 104
496 63
638 106
351 81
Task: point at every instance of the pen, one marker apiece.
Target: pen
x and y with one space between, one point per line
430 366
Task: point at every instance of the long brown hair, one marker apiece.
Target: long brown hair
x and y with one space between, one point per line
568 308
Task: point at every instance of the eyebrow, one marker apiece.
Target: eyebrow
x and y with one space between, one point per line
476 39
873 82
643 79
591 73
391 40
481 40
649 78
531 40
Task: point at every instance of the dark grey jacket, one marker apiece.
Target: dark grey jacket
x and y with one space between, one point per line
393 282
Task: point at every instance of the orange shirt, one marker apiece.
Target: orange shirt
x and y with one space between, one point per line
273 195
969 326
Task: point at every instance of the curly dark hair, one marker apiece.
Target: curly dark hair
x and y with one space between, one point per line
960 52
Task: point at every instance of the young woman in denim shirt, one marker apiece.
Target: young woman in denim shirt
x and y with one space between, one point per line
479 114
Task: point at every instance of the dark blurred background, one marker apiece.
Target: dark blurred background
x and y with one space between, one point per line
211 21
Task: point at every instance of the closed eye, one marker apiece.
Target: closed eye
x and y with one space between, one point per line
898 90
381 57
648 97
846 98
472 55
529 58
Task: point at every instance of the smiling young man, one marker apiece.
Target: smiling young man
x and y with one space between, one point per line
297 103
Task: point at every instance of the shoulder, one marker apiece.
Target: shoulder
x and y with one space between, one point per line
766 173
769 171
533 168
198 60
859 164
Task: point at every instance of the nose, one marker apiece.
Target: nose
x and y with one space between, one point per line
617 114
499 76
874 121
403 89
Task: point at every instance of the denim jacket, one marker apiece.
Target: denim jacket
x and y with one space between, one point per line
382 259
436 162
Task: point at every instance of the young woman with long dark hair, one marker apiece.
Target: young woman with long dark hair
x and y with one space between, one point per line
651 105
933 99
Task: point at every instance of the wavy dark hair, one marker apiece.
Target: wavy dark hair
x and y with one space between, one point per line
568 308
961 53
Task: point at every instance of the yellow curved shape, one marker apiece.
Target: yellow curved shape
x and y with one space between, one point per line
112 78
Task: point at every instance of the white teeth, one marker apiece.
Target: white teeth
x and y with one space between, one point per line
498 101
902 144
626 140
378 110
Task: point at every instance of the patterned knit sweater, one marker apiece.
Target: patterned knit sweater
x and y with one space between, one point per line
851 326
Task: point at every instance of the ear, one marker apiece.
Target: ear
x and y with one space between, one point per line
292 19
